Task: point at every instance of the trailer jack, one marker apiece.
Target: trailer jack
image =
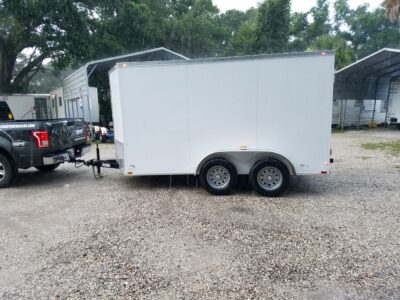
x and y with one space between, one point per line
96 163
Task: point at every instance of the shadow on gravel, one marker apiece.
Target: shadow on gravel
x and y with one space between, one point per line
307 185
32 178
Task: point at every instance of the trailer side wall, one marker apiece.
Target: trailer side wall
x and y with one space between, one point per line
176 114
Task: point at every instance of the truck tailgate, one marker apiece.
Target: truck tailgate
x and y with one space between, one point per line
65 134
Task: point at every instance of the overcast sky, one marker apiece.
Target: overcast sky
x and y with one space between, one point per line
297 5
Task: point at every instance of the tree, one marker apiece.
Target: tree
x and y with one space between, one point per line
344 53
239 29
299 27
47 80
369 31
392 9
194 29
32 31
320 25
342 15
306 28
129 25
273 25
244 41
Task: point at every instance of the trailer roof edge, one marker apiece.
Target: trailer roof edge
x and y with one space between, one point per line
231 58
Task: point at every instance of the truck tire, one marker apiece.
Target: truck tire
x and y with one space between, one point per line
47 168
7 172
270 178
218 177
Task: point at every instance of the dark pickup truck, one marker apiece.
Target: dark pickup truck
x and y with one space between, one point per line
43 144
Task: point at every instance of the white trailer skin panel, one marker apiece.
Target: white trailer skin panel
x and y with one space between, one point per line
393 116
171 117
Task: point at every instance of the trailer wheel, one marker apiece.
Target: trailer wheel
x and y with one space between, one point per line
269 178
7 172
218 177
47 168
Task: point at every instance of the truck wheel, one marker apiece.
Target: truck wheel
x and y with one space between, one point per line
47 168
7 172
269 178
218 177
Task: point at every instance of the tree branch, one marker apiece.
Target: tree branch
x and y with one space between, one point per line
27 69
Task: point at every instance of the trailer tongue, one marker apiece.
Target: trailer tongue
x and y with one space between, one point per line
96 163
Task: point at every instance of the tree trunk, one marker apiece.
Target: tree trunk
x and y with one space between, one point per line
7 63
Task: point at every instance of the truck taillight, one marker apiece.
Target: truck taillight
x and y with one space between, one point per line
87 134
41 139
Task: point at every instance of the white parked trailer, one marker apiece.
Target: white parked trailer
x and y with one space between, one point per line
393 113
30 106
268 116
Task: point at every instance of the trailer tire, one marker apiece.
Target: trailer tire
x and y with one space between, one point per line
47 168
7 171
219 177
270 178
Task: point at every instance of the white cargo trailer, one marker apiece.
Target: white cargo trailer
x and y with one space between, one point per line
265 116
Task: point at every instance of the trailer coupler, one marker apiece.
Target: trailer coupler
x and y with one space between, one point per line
96 164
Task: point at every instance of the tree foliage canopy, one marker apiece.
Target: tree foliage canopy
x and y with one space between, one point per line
58 30
66 33
273 21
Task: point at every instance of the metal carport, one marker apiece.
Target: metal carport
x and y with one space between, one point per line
362 90
76 93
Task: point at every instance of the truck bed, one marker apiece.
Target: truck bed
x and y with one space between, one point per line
16 138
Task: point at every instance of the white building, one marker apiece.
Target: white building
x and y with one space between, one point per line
75 108
31 106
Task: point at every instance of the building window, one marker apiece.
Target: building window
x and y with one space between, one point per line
59 101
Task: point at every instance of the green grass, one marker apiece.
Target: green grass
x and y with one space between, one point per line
392 147
337 130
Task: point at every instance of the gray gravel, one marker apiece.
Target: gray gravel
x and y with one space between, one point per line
66 235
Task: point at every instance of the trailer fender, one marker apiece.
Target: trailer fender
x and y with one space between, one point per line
245 160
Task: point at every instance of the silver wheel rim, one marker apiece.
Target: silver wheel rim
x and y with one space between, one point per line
218 177
270 178
2 172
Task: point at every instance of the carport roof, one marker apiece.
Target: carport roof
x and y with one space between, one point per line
150 54
368 78
384 64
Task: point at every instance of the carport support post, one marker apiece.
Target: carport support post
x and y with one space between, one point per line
88 95
345 104
340 113
388 100
344 114
361 101
376 95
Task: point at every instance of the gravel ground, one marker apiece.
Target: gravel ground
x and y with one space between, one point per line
67 235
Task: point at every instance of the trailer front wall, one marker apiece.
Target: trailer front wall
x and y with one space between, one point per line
175 115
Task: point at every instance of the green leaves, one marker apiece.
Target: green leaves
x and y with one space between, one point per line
58 30
273 26
70 32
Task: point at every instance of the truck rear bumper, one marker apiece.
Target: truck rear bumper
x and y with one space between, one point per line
65 156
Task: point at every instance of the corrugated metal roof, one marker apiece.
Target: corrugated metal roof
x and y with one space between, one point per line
368 78
126 57
383 63
122 57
